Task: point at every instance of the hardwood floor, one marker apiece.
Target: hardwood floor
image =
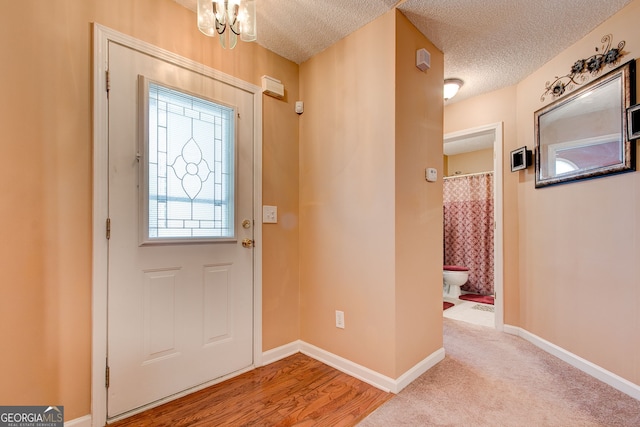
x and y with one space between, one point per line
295 391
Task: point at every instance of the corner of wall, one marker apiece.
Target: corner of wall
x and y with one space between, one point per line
418 203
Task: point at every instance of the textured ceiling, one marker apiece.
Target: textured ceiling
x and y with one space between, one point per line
490 44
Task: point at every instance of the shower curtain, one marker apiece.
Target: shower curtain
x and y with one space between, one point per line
468 228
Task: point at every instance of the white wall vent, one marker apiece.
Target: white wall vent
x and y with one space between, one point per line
272 87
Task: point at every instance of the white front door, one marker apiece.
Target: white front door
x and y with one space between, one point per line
180 281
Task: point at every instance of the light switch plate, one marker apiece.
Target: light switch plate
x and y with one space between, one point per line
269 214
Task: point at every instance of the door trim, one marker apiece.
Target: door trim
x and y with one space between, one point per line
498 194
101 38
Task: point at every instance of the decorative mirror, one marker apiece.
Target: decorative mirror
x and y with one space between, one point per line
584 135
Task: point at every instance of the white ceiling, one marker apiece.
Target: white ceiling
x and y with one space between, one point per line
475 141
490 44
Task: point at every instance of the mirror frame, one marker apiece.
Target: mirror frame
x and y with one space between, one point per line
626 74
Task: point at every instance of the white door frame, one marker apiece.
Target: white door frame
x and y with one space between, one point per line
101 38
498 194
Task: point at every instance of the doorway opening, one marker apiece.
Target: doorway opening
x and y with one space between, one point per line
480 140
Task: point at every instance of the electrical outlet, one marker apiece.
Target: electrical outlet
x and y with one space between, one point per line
339 319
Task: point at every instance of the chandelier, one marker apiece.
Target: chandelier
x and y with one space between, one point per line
228 19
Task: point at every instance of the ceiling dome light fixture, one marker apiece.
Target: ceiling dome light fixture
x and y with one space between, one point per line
239 16
451 87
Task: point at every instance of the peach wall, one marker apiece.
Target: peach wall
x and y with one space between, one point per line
579 252
473 162
280 260
347 212
370 234
494 107
418 216
46 179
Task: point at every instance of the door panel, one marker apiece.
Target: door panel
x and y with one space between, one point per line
180 313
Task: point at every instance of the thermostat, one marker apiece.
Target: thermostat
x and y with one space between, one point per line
431 174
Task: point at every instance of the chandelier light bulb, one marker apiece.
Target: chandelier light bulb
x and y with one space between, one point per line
228 19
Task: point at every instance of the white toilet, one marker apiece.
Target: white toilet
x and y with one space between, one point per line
454 276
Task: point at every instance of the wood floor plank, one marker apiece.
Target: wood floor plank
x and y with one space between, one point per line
296 391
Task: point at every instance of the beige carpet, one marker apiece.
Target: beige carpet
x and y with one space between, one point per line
490 378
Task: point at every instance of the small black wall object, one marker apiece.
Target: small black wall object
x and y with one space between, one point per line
520 159
633 121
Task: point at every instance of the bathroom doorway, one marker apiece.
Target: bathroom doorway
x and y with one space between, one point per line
481 147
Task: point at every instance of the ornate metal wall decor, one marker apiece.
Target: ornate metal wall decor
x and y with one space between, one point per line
584 135
582 68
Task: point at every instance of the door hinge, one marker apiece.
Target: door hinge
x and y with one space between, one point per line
108 82
107 375
108 228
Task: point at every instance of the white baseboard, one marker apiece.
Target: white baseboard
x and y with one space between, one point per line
281 352
419 369
512 330
607 377
79 422
350 368
360 372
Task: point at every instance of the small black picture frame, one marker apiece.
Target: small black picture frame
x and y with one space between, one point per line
520 159
633 121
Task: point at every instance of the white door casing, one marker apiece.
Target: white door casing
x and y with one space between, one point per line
162 337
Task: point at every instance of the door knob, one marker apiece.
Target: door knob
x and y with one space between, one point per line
247 243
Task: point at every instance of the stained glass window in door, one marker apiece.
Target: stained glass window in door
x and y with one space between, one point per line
190 158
